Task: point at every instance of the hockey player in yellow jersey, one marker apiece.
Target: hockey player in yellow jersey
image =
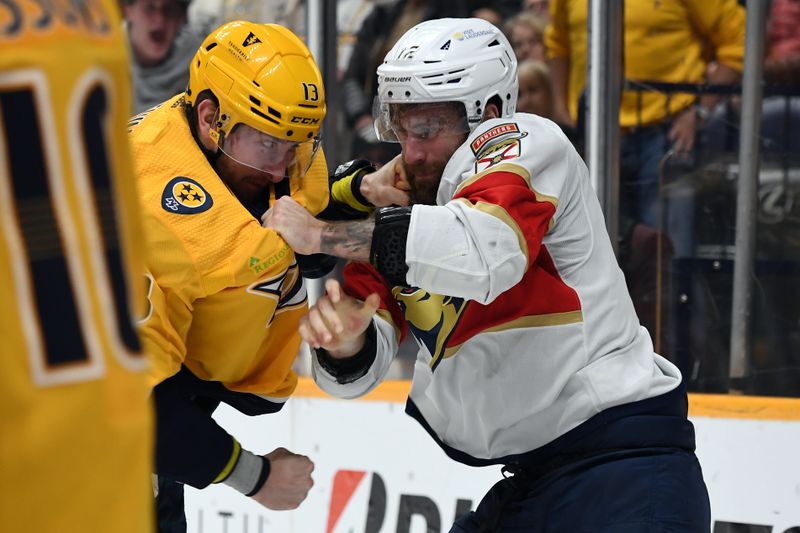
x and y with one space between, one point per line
75 419
226 294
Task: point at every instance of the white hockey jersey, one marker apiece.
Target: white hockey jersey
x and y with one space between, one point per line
522 316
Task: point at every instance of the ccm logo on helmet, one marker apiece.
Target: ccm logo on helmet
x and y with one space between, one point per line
304 120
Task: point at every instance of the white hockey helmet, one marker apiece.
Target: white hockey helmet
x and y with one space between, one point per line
466 60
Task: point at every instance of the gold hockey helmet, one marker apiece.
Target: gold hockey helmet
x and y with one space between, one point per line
264 77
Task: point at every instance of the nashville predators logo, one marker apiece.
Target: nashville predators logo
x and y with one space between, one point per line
184 196
250 40
431 317
286 290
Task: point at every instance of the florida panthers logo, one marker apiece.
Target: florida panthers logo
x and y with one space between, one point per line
508 150
431 317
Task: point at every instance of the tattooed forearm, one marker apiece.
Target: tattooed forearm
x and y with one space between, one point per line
348 240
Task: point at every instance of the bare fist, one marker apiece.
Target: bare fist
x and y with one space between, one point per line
295 224
387 185
288 482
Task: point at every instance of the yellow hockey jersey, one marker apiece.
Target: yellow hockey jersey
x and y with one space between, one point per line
75 418
226 294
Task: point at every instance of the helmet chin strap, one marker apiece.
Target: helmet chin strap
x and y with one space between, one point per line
217 136
211 155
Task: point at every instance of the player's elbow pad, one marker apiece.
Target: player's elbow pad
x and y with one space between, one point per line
388 248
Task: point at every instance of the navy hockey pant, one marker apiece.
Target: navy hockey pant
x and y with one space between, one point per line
655 490
629 469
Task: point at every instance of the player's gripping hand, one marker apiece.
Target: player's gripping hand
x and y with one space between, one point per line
288 482
338 322
295 224
388 185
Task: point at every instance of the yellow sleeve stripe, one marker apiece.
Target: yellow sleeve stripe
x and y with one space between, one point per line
500 213
342 191
521 172
532 321
237 450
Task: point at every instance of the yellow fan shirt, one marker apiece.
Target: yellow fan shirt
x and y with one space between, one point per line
665 40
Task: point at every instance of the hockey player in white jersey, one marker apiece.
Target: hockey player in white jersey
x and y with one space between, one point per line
531 355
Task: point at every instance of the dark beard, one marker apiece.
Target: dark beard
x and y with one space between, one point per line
256 202
423 192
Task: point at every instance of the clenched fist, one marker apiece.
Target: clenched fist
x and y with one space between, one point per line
388 185
288 482
295 224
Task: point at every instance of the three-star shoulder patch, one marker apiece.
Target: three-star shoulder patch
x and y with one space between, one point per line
184 196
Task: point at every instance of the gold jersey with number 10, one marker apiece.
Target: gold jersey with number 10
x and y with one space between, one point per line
75 420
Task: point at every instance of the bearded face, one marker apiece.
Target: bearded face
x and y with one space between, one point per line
429 135
424 180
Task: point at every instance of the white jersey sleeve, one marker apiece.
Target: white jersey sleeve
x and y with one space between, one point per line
474 244
386 348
